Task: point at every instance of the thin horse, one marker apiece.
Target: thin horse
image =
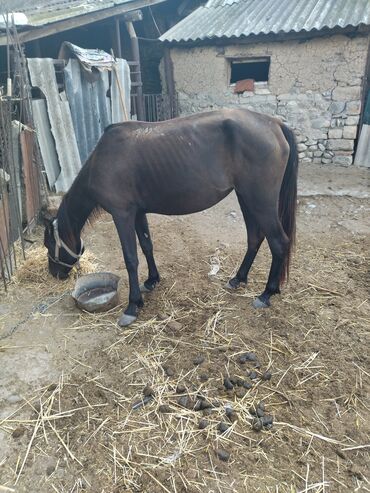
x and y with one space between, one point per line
183 166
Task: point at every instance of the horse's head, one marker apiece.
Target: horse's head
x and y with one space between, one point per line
62 258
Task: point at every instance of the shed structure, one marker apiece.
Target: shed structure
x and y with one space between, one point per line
305 61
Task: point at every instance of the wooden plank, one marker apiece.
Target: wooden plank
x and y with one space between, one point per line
80 20
4 224
30 174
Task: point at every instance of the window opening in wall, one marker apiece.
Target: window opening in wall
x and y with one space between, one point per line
253 68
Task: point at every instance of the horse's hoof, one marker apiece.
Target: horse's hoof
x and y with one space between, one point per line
126 320
228 285
257 303
144 289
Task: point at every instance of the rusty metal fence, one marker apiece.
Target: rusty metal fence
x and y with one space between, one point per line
157 107
20 186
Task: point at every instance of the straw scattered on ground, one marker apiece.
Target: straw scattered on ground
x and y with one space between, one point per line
127 417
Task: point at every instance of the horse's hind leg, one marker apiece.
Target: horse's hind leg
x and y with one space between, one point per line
279 245
125 224
143 233
255 238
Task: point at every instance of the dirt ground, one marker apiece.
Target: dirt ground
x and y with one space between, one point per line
72 414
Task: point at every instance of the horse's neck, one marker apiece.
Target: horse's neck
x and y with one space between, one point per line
73 214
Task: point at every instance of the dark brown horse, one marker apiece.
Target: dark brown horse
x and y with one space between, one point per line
183 166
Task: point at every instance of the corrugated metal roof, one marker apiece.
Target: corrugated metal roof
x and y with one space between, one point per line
42 12
241 18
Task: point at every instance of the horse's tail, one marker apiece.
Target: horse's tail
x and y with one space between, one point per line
288 198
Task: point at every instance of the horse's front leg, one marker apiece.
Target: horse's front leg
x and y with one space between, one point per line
143 233
125 224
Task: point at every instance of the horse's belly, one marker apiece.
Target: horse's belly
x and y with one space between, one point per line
184 202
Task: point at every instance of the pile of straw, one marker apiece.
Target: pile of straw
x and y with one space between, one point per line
34 269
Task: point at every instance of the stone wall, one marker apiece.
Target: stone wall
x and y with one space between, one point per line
314 85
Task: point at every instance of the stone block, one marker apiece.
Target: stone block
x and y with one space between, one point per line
321 122
335 133
301 155
326 161
328 154
348 93
261 90
337 122
343 160
353 120
301 147
340 145
317 153
353 108
306 160
350 132
321 147
337 107
286 97
316 160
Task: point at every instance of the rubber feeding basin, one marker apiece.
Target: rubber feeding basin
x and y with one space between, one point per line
96 292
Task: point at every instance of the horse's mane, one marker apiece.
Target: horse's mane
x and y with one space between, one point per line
65 224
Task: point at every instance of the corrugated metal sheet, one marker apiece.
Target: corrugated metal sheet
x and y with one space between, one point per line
363 148
90 106
42 75
242 18
120 92
42 12
45 140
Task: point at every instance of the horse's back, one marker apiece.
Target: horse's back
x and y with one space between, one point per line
186 164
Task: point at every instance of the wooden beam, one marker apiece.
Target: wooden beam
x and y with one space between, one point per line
80 20
117 43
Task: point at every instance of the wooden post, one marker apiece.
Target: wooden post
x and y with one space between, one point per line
136 59
117 39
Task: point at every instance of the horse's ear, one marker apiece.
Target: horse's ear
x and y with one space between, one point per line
46 217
